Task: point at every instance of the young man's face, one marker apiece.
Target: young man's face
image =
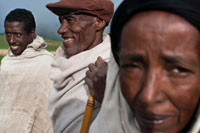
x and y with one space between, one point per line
17 37
78 32
160 70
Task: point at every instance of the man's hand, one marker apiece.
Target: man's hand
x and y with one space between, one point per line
96 79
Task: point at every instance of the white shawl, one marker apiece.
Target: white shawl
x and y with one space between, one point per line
115 116
68 100
25 88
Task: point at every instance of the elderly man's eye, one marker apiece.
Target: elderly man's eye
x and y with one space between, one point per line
71 21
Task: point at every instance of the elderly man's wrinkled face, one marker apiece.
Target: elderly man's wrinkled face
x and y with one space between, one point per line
17 37
160 70
78 32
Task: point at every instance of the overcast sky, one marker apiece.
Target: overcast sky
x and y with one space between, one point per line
47 23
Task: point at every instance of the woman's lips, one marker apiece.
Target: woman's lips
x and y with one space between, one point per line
153 120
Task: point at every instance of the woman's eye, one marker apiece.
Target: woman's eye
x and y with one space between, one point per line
180 71
132 65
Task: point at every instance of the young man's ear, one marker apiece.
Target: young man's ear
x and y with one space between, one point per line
32 33
100 24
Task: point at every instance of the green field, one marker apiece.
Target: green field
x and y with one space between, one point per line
3 42
52 44
1 57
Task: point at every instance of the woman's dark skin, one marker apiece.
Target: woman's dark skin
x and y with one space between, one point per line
160 70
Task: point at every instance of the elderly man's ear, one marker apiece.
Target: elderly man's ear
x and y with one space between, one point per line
100 24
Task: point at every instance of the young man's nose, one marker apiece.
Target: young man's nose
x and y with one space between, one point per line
12 39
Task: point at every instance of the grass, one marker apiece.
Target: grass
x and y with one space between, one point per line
1 58
3 42
52 44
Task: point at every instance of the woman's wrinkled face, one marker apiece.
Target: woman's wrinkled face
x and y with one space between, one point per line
160 70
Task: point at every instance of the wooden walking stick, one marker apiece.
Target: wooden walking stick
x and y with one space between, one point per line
88 114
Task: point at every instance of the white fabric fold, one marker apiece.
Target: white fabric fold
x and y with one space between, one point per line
68 100
38 43
115 115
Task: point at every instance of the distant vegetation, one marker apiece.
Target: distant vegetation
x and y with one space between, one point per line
52 44
3 42
1 58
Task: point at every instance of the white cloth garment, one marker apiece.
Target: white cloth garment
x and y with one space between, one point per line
68 100
25 87
115 116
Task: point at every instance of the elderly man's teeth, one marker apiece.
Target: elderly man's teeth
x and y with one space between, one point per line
68 39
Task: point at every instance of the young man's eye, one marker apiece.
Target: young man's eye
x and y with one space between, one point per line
18 35
8 34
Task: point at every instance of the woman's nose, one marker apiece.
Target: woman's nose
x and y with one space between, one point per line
151 92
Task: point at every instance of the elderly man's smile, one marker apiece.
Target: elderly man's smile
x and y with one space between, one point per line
68 40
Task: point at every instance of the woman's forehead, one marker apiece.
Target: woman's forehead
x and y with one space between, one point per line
158 23
175 35
159 19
